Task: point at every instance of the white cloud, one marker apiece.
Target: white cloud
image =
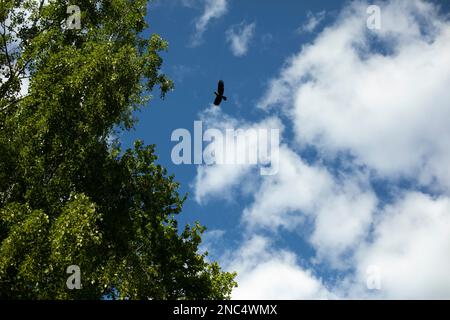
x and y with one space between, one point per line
239 37
265 273
343 96
213 9
382 97
410 248
314 20
218 180
340 211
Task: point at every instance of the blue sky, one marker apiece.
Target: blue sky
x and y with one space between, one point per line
196 70
363 187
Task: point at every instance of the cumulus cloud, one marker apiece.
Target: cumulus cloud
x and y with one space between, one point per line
409 250
340 211
342 92
266 273
239 37
379 97
219 180
213 9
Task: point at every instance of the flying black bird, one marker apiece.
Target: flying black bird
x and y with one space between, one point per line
219 93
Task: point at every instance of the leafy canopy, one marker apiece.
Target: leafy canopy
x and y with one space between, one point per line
70 196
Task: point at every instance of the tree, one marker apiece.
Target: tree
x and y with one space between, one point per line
70 196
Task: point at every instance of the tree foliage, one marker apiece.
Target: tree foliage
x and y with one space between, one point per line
70 196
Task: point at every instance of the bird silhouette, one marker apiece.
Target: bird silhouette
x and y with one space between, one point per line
219 93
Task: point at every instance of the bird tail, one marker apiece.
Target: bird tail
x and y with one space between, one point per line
224 98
